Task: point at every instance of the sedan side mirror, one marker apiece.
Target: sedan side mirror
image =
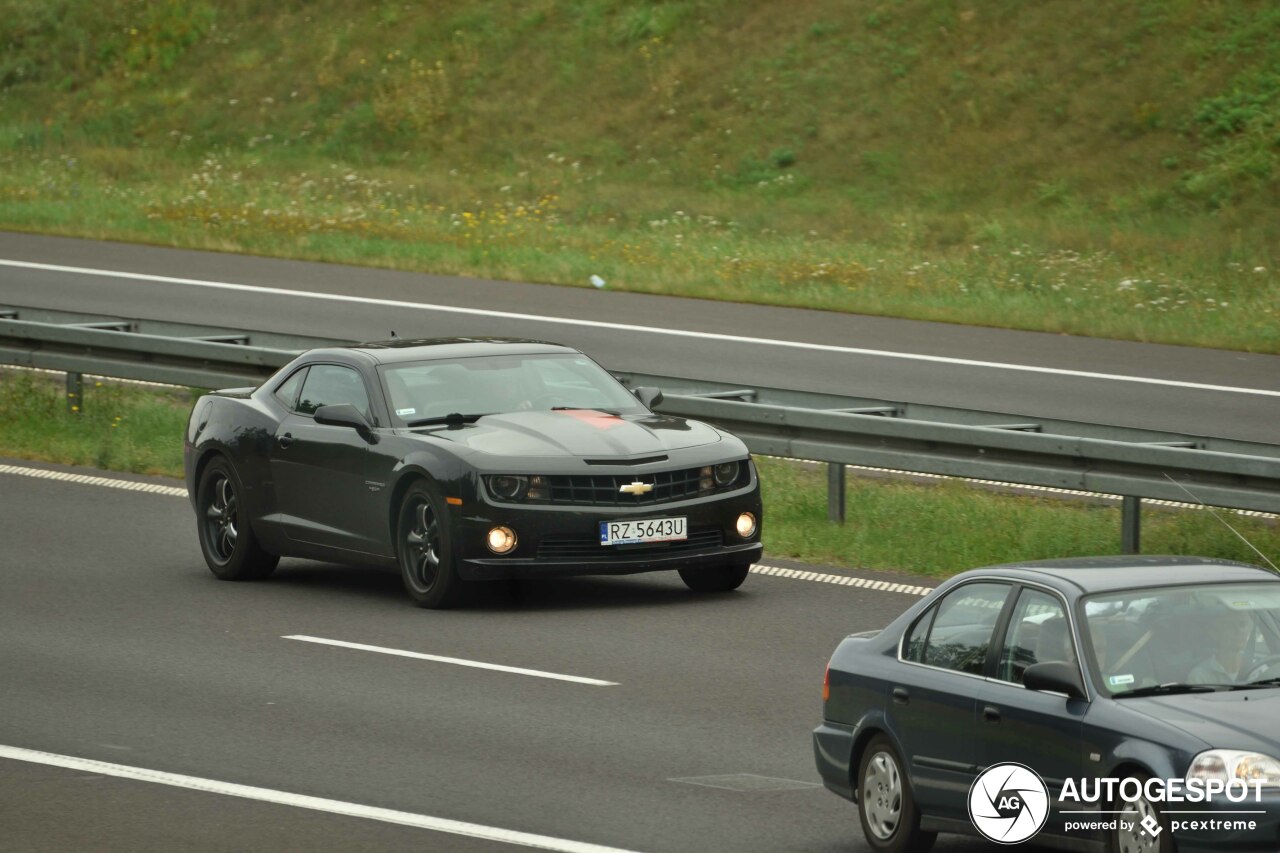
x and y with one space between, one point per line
1055 676
649 395
344 415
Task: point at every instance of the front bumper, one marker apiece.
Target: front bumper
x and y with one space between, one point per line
558 541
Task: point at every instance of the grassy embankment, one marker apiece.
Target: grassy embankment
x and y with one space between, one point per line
933 530
1112 174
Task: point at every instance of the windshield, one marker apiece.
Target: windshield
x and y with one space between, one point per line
487 385
1224 635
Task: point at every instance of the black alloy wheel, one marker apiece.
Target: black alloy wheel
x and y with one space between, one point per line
227 541
425 551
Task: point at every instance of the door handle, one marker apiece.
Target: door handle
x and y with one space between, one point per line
901 696
990 714
286 439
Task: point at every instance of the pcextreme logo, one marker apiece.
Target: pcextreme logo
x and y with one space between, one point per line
1008 803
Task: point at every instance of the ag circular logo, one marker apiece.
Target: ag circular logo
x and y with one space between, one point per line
1008 803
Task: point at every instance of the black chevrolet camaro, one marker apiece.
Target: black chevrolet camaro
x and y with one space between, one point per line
1111 703
466 459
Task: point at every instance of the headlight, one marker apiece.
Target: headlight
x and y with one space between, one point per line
725 473
1227 765
508 487
517 487
718 476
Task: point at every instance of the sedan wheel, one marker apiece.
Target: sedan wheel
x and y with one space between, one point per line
425 553
230 549
885 805
1138 838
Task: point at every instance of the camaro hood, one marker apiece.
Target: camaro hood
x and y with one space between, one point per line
578 432
1240 719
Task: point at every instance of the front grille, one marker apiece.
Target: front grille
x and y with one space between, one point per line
589 547
603 489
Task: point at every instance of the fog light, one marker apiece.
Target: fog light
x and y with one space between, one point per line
501 540
746 525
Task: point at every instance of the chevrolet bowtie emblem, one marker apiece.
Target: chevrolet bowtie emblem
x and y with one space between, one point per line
636 488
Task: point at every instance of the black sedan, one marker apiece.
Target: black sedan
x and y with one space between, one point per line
1123 704
466 459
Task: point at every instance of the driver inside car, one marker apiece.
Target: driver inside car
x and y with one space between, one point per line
1230 632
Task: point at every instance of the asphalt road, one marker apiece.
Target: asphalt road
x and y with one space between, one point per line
1179 389
117 645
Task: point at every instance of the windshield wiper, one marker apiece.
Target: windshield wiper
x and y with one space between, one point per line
453 418
1261 682
1171 687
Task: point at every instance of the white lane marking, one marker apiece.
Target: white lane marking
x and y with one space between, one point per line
626 327
302 801
474 664
85 479
840 580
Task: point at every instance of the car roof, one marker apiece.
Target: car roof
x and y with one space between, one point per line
429 349
1084 575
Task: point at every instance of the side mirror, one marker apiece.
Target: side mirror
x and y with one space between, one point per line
1055 676
344 415
649 395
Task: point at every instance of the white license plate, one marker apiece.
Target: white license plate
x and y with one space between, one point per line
644 530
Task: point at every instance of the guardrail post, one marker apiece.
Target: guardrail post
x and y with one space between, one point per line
1130 525
75 393
835 492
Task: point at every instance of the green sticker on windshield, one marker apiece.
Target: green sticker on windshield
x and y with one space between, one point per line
1120 680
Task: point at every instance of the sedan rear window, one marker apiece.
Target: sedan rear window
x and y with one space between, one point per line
961 632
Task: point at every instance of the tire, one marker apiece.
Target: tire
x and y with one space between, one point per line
1137 840
714 578
425 551
886 807
226 536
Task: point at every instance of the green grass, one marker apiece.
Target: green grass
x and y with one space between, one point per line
115 427
1114 175
929 530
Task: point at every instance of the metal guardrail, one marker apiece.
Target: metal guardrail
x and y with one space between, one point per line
1133 463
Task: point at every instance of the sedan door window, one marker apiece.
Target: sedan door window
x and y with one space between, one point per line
1038 632
961 633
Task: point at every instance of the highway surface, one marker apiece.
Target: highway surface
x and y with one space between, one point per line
1178 389
146 706
140 692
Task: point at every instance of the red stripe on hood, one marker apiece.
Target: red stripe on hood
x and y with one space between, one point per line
599 420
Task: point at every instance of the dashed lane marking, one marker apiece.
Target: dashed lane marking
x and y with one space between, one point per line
474 664
840 580
87 480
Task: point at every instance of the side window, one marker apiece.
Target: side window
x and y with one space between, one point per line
287 393
961 632
1038 631
913 644
330 384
